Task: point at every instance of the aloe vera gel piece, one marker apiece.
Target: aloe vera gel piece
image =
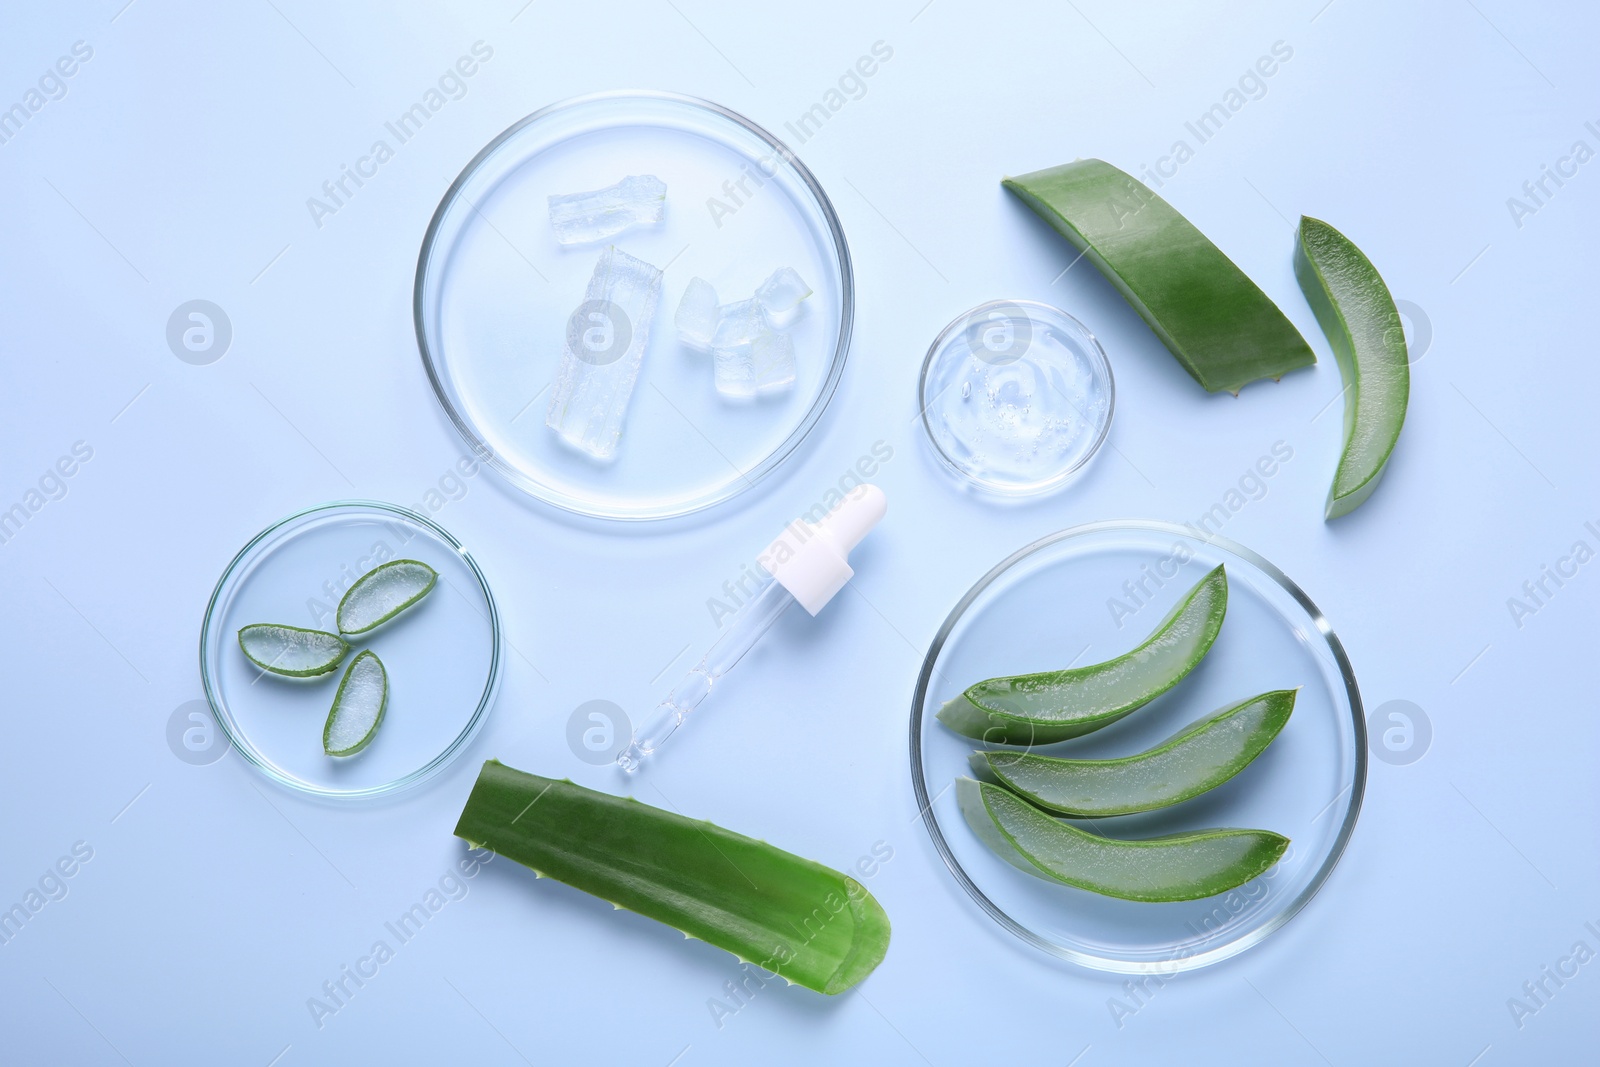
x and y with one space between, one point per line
1051 706
384 592
358 707
1200 757
812 925
1186 866
1355 310
1215 320
291 651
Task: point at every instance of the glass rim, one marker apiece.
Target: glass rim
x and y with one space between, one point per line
749 479
1055 481
242 745
1196 960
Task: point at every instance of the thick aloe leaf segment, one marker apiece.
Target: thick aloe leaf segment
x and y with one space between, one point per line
1036 709
384 592
1220 326
1186 866
358 707
1200 757
812 925
1355 310
290 650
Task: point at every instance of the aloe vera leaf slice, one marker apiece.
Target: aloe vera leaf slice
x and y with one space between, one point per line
812 925
1186 866
1355 310
384 592
1221 327
1197 758
290 650
358 706
1036 709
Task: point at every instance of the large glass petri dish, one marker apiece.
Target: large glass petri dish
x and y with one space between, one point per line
495 294
442 655
1092 592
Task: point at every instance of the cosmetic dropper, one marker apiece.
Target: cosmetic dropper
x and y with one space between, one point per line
808 563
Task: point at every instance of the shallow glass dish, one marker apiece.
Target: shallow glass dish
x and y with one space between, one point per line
442 655
1058 602
1016 397
494 294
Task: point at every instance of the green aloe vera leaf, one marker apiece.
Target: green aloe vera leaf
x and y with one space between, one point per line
384 592
1215 320
1186 866
1355 310
1199 757
812 925
358 706
290 650
1037 709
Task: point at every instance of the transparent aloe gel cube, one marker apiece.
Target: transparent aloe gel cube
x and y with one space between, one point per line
698 315
604 346
772 362
780 295
739 327
580 218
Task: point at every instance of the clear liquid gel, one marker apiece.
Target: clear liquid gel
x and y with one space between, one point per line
808 563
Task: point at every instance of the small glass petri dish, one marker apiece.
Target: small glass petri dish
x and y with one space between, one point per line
1016 397
1119 579
496 295
442 655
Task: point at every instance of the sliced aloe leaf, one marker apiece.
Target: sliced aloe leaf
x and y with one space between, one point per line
812 925
1215 320
358 706
1355 310
1186 866
384 592
1036 709
291 651
1199 757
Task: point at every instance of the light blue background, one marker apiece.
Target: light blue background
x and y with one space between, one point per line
177 166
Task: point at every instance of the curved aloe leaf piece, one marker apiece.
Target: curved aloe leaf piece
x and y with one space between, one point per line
291 651
812 925
1036 709
1186 866
1355 310
1215 320
1200 757
384 592
358 707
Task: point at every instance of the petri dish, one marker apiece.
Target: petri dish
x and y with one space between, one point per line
1307 785
442 655
495 296
1016 397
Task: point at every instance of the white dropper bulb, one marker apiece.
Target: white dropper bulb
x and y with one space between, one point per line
812 560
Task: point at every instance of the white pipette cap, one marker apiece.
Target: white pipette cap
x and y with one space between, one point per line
812 559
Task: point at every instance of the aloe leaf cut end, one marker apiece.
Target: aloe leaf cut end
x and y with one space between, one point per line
810 925
382 593
1053 706
358 706
1356 312
290 651
1214 320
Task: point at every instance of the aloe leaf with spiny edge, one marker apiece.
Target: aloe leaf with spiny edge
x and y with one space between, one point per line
1184 866
809 924
1037 709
